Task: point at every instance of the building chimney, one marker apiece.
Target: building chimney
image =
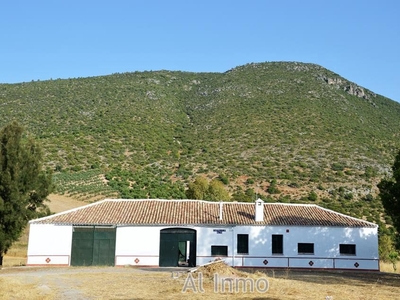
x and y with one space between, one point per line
259 211
220 210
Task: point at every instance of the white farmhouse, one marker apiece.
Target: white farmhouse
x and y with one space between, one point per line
192 232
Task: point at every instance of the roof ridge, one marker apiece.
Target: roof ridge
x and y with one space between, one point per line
170 211
209 202
154 199
68 211
178 200
292 204
347 216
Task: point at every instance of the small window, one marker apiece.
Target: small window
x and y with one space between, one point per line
277 244
243 244
219 250
347 249
305 248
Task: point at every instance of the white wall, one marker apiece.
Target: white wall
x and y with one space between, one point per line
326 246
326 240
139 245
49 244
214 236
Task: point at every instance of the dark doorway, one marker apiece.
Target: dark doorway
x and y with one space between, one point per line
93 246
177 247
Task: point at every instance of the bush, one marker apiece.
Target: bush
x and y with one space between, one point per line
312 196
368 198
348 196
250 181
272 189
337 167
224 179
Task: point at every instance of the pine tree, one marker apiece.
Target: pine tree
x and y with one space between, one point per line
24 185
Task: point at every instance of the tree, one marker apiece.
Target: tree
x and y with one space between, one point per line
312 196
23 184
217 192
247 196
390 193
198 189
387 251
201 189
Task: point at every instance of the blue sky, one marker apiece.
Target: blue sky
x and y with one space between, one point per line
358 39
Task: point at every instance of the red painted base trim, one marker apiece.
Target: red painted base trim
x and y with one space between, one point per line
47 265
137 266
241 267
306 269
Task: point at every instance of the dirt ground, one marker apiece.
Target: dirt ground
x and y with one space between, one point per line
87 283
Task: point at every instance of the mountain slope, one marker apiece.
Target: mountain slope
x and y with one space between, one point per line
300 124
287 112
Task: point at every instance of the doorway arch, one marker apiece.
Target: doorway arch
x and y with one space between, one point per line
177 247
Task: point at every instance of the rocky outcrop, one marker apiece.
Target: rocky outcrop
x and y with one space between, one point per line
348 87
355 90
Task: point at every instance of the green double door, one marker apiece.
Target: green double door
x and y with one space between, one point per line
177 247
93 246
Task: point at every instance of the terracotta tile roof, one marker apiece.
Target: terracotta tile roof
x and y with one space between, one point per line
197 212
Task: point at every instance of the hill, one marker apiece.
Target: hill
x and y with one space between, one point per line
308 132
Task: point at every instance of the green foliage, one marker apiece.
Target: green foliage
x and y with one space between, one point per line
370 172
247 196
312 196
284 199
272 189
275 118
198 189
24 185
390 193
250 181
217 192
348 196
337 167
224 179
201 189
368 198
387 250
83 185
142 184
152 133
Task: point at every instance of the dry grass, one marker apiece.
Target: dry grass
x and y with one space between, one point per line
388 267
16 255
14 289
59 203
131 283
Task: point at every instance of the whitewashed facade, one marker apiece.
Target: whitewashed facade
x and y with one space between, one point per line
258 244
